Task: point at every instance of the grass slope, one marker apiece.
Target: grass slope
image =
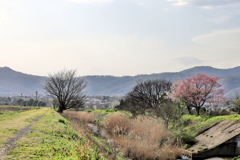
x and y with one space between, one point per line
53 137
195 124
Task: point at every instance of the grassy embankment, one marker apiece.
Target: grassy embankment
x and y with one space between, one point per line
12 124
195 124
140 138
53 137
191 126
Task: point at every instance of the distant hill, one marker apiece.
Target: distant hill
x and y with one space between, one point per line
13 82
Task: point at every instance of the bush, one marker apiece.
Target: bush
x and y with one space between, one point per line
236 158
185 138
224 112
64 121
111 110
147 139
82 117
117 122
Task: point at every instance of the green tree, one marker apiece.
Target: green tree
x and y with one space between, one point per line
19 102
236 103
35 103
55 104
8 99
44 104
24 103
224 112
30 102
41 103
168 112
114 104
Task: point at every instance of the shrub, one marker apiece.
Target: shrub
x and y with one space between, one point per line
185 138
111 110
64 121
82 117
147 139
117 122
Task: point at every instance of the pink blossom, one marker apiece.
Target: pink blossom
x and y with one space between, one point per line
197 90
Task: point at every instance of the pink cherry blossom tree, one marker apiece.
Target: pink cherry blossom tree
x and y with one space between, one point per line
195 91
176 99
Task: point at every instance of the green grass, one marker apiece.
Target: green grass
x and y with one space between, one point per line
53 137
29 107
15 123
101 142
6 114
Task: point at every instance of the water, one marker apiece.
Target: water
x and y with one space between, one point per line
100 132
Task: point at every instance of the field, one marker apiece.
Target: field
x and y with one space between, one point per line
41 133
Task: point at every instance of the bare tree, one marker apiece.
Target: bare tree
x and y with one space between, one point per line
66 88
136 108
146 95
151 92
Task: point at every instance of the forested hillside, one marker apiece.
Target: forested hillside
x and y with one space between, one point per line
13 82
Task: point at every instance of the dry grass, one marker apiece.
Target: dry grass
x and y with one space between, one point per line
79 117
141 138
146 138
117 123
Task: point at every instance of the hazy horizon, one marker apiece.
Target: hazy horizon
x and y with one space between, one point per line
118 37
122 75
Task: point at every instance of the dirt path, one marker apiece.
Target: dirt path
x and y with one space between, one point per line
10 144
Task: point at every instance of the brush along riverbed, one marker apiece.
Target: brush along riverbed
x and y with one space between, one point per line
192 126
51 137
138 138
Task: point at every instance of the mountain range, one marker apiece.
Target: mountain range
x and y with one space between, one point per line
14 82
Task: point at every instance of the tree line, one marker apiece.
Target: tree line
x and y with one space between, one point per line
30 102
158 97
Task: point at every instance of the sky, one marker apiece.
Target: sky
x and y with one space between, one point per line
118 37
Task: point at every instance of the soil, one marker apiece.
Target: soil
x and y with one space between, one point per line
217 135
10 144
14 109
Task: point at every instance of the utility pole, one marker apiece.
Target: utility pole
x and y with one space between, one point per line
36 94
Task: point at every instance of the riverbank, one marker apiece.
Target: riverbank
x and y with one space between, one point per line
50 136
140 138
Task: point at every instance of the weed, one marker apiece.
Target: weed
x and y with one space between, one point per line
64 121
50 139
147 139
117 123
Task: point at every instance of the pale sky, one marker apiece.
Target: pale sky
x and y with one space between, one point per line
118 37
